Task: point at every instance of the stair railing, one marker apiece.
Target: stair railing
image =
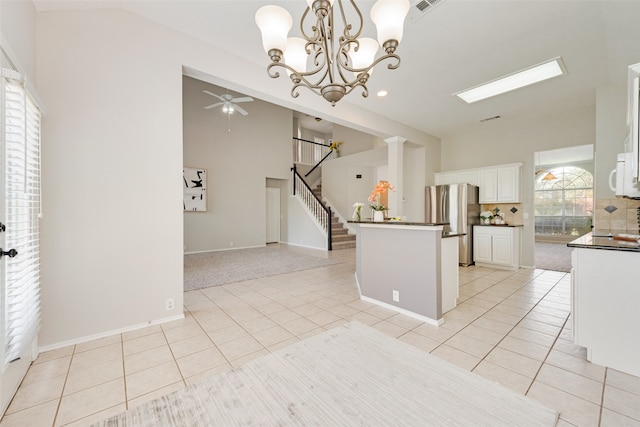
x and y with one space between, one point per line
310 153
321 212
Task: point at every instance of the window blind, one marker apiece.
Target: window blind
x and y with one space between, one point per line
21 214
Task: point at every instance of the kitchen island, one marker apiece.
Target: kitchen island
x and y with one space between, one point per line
605 297
408 267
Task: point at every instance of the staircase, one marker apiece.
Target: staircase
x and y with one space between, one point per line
340 235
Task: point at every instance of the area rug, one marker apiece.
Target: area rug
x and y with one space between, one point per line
218 268
352 375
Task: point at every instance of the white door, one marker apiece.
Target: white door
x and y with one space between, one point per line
273 215
19 214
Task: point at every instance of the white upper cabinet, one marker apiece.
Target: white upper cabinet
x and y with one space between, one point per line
488 185
446 178
498 184
468 176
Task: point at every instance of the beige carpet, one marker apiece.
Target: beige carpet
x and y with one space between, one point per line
352 375
218 268
553 256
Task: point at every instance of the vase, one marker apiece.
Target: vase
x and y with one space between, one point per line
378 216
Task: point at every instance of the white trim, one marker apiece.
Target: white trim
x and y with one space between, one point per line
110 333
324 249
403 311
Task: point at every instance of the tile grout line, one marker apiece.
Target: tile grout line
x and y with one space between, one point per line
64 385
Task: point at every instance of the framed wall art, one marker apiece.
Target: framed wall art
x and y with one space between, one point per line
195 189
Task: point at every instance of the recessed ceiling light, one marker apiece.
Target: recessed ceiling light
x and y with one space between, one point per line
382 93
526 77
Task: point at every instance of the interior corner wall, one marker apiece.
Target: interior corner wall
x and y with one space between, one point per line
239 153
517 142
353 141
18 28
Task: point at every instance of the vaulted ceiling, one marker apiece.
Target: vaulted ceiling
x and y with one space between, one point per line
456 45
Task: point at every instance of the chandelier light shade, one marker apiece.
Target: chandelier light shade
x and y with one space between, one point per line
329 60
274 23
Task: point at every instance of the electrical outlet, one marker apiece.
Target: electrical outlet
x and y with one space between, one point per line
396 296
169 304
231 244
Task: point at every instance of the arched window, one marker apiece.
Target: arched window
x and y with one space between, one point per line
564 206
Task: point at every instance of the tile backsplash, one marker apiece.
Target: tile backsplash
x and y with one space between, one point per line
616 214
513 213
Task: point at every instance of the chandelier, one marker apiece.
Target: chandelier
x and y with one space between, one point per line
339 62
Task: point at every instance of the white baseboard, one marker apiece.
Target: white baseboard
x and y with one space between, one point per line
419 317
109 333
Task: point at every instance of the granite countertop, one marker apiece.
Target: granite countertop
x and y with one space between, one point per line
445 234
387 222
606 240
498 225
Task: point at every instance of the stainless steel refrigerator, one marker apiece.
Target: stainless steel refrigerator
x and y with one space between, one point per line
456 204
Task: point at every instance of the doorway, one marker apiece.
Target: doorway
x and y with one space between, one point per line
19 233
563 203
273 215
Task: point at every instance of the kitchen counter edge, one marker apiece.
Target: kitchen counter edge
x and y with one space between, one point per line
588 241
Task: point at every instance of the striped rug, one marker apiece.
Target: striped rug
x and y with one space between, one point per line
352 375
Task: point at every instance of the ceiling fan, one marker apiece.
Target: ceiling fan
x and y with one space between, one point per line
228 103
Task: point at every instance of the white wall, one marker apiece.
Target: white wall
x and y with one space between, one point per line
239 153
353 141
18 29
414 182
517 142
112 166
302 230
112 239
611 131
341 186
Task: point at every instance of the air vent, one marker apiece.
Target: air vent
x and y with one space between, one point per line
420 7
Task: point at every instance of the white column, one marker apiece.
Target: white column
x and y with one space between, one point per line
396 172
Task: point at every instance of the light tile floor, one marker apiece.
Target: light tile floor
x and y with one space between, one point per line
512 327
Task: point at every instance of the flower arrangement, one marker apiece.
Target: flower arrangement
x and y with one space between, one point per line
358 211
486 215
381 188
335 145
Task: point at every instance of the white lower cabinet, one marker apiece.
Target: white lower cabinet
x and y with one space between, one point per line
605 300
496 246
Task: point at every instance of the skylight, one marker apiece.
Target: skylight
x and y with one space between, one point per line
517 80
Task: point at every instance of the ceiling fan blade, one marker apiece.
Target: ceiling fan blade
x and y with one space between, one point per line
239 110
208 107
214 95
243 99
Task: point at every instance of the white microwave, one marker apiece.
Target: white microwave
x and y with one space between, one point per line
627 171
626 184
